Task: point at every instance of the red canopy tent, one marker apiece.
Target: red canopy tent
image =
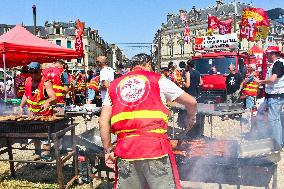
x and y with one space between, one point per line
20 47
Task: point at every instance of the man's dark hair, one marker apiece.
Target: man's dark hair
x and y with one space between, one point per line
170 65
278 54
140 59
190 63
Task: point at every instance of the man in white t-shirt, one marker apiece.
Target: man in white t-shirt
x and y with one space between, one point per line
106 75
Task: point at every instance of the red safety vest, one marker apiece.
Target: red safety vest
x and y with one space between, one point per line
81 85
54 75
34 101
21 85
139 118
250 89
94 83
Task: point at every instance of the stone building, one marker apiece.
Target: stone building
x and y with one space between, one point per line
169 43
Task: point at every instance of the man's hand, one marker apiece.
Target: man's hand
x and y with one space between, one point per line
191 123
20 113
110 160
45 106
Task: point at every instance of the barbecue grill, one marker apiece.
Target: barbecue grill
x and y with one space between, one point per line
15 127
252 163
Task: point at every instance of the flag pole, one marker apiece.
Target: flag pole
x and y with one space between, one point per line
4 64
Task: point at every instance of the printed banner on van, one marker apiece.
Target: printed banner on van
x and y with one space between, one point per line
228 41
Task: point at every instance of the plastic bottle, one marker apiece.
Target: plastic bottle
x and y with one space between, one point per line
83 165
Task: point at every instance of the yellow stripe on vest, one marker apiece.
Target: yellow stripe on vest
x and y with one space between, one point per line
129 136
252 85
142 114
57 87
38 110
159 131
59 94
124 131
36 103
248 89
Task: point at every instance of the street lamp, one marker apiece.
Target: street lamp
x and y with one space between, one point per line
34 16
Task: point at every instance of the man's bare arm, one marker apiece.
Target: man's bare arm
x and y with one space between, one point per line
187 79
50 92
105 126
23 103
191 106
270 80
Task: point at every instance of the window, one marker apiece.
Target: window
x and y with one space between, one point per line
57 30
58 42
79 60
171 50
69 45
182 49
68 60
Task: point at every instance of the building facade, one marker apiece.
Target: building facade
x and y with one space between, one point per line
169 43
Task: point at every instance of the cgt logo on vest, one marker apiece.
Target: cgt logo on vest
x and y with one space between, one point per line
132 90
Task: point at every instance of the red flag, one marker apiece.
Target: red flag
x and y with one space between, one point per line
213 22
186 34
79 42
252 18
225 27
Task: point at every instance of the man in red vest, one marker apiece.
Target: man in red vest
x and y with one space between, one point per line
39 97
134 109
59 78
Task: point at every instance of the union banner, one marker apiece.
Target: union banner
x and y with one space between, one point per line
254 24
79 42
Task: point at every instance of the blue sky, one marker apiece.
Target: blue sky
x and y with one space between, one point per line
118 21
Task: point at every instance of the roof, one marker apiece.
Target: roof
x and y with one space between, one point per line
201 14
275 13
21 47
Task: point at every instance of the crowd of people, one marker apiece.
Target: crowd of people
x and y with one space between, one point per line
134 107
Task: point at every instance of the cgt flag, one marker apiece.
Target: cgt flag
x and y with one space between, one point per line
225 27
252 20
213 22
79 42
186 34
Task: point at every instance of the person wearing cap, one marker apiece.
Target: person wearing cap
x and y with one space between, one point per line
39 97
274 90
135 110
